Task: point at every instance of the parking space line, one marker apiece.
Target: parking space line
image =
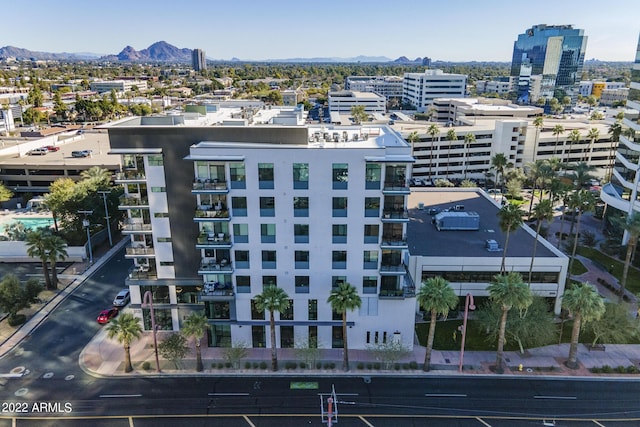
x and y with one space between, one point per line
483 422
248 421
131 422
596 422
365 421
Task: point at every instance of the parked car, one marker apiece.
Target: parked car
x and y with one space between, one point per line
106 315
81 153
52 148
122 298
38 151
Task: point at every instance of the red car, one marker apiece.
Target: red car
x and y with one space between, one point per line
52 148
106 315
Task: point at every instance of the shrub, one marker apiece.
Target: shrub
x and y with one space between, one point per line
213 365
247 365
318 365
621 369
16 320
327 366
360 365
376 366
606 369
632 369
332 365
146 365
256 365
263 365
413 364
303 365
369 366
396 366
405 366
220 365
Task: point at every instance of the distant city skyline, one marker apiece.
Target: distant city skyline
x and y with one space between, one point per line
455 30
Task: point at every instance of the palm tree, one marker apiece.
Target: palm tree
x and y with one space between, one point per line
615 130
433 130
36 248
56 248
343 299
580 175
580 202
469 139
451 137
510 219
632 228
574 137
538 122
535 173
593 136
194 327
437 297
542 212
272 299
499 162
100 176
508 291
557 131
125 328
586 305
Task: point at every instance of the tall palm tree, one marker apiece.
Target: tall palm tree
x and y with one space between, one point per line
557 131
574 138
593 136
500 163
36 248
56 248
542 212
437 297
451 137
510 219
125 328
194 327
615 130
580 201
538 122
98 175
272 299
535 173
508 291
581 174
469 139
632 228
343 299
433 130
586 305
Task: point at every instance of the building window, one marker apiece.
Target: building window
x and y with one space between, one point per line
166 263
267 206
313 309
269 281
339 206
301 233
258 339
268 260
220 336
265 176
155 160
243 284
255 313
286 336
370 285
371 233
302 260
164 239
301 206
372 207
218 310
369 306
339 260
313 336
158 189
162 319
340 176
187 294
336 281
237 175
339 233
336 336
161 214
370 260
267 233
302 284
241 233
287 314
373 176
301 176
241 259
239 206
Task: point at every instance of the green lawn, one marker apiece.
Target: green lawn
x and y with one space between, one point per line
633 281
578 268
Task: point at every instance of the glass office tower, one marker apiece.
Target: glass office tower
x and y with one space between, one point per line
553 52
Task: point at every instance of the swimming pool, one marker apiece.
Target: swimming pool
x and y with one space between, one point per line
31 223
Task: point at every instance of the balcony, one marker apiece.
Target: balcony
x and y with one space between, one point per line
403 293
216 291
128 202
209 186
395 215
396 187
140 252
207 213
136 228
143 272
213 266
389 269
213 240
394 242
130 176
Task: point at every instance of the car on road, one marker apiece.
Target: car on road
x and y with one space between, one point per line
122 298
106 315
52 148
81 153
38 151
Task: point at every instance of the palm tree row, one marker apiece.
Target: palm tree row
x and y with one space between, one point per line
50 249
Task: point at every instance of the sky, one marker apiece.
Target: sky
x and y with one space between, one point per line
447 30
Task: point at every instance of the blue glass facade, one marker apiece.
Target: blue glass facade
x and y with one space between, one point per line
555 52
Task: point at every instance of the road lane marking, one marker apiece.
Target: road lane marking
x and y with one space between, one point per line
483 422
340 394
365 421
228 394
248 421
109 396
556 397
444 395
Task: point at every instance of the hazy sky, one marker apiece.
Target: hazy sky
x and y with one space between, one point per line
449 30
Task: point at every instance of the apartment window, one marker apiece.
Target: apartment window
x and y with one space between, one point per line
370 260
301 206
339 206
373 176
302 260
301 176
302 284
267 206
313 336
339 260
269 281
301 233
371 233
370 285
164 239
155 160
369 307
241 233
372 206
268 233
286 336
336 281
239 206
255 313
158 189
161 214
258 337
336 336
166 263
340 176
237 175
243 284
313 309
339 233
265 176
241 259
287 314
268 260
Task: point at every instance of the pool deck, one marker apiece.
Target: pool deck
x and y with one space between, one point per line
9 215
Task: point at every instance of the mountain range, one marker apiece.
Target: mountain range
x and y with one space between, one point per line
164 52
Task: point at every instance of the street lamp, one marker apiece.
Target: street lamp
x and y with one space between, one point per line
106 212
147 301
86 224
468 305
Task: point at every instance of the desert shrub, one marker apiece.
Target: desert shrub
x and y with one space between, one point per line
369 366
220 365
413 364
263 365
360 365
146 365
17 319
247 365
606 369
376 366
303 365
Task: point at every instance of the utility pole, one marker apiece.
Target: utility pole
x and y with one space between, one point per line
106 213
86 224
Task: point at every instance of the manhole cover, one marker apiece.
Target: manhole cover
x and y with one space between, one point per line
48 375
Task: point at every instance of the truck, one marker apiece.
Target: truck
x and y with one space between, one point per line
457 220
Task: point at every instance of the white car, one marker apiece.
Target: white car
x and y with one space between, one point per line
122 298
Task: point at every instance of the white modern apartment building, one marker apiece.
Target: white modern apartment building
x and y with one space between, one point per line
117 85
215 213
342 101
387 86
494 86
421 89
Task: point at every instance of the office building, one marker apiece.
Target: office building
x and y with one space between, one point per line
117 85
387 86
421 89
342 102
198 60
554 52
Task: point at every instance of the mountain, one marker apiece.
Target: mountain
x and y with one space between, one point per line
160 51
20 53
